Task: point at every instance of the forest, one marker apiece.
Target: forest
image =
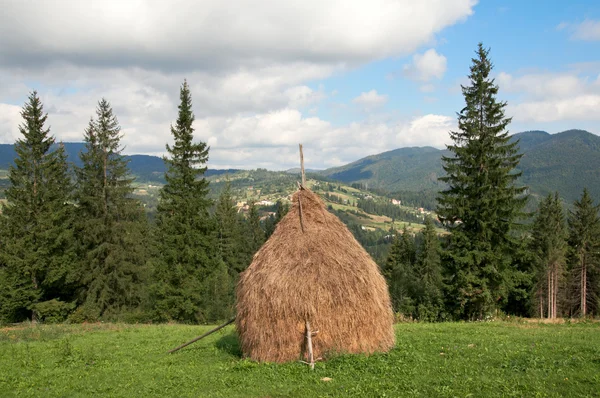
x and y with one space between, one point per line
76 246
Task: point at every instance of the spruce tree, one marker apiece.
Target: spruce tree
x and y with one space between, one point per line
549 244
584 240
255 235
38 250
271 222
112 226
399 271
228 233
184 229
429 275
482 203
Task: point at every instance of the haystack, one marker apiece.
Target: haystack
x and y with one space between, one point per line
312 269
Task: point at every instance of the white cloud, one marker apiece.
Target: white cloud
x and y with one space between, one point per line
543 84
370 99
250 67
270 140
213 34
578 108
588 30
425 67
552 97
10 118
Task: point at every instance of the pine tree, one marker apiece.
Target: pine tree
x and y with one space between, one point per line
482 203
228 233
184 229
112 227
256 234
399 271
272 221
550 246
38 249
429 275
584 239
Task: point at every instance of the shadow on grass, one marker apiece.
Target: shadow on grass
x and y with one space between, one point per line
230 344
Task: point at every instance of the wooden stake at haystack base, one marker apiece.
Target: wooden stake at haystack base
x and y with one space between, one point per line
309 345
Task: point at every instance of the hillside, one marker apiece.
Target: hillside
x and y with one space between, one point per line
566 162
411 169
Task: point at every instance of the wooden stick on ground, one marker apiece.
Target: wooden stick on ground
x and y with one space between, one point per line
203 336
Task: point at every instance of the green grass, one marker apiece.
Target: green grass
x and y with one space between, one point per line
431 360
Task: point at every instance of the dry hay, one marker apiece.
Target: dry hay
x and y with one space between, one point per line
322 275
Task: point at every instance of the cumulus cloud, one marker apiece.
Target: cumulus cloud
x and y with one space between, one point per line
425 67
588 30
370 99
235 138
551 97
214 35
251 68
10 118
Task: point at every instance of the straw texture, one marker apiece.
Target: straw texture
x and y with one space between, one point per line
322 275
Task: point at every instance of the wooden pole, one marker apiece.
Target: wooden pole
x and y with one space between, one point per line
302 166
203 336
300 206
311 359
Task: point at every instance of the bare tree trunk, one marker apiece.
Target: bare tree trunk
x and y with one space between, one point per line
35 286
554 289
541 295
105 181
549 293
583 286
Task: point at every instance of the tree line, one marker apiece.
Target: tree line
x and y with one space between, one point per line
75 245
497 258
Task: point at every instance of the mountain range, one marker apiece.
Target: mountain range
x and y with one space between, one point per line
565 162
145 167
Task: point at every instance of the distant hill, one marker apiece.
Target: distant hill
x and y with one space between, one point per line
144 167
410 169
565 162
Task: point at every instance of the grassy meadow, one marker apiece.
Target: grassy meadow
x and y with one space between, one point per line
523 359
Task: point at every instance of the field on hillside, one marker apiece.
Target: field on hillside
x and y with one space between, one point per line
449 359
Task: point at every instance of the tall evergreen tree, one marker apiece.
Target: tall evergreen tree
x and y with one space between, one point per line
256 235
272 221
428 271
38 245
184 229
482 202
550 246
112 226
228 233
399 271
584 239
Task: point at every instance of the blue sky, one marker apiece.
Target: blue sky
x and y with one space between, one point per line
524 37
346 78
